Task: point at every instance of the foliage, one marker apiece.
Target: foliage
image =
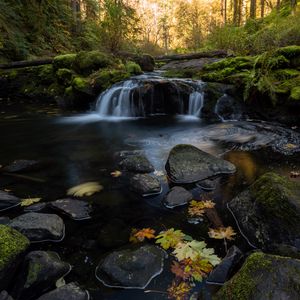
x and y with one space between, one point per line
85 189
141 235
197 208
170 238
179 291
30 201
222 233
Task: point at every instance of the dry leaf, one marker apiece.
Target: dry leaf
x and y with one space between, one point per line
197 208
116 174
222 233
30 201
85 189
179 291
145 233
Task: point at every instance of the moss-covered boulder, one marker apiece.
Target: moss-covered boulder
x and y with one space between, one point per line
64 61
64 76
263 277
268 213
133 68
12 245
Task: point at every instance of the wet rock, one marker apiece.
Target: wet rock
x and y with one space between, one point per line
39 272
75 209
190 65
21 165
268 212
35 207
264 277
222 272
8 201
145 185
114 234
136 164
40 227
12 246
188 164
132 268
207 184
177 196
4 220
70 291
5 296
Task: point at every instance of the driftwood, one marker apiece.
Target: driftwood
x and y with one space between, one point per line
26 63
209 54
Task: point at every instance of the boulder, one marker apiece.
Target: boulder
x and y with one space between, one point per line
136 164
8 201
131 268
5 296
188 164
207 184
268 212
222 272
12 246
145 185
264 277
40 227
70 291
39 272
73 208
177 196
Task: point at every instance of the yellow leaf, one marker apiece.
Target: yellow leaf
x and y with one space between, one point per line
222 233
116 173
145 233
85 189
30 201
197 208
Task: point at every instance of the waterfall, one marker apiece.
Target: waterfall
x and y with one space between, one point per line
196 102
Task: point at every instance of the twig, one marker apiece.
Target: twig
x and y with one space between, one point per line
24 177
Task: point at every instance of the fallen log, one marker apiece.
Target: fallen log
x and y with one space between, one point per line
26 63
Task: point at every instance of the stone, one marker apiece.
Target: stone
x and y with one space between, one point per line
39 272
21 165
207 184
268 212
177 196
12 246
188 164
5 296
73 208
131 268
70 291
262 277
35 207
145 185
136 164
222 272
40 227
8 201
4 220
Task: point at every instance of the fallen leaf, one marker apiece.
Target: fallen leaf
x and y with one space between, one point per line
30 201
290 146
145 233
85 189
179 291
116 174
170 238
222 233
197 208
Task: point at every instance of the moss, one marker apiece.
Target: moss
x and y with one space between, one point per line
133 68
46 74
295 93
69 92
34 269
55 89
64 61
284 74
243 284
289 51
12 244
87 62
64 76
277 197
236 63
80 84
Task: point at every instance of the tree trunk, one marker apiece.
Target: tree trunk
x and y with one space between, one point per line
26 63
236 12
262 8
253 9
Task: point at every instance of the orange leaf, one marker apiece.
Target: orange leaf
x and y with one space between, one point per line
145 233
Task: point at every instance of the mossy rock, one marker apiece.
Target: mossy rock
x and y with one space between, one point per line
82 85
88 62
12 245
295 93
268 212
133 68
289 51
236 63
64 76
64 61
46 74
263 277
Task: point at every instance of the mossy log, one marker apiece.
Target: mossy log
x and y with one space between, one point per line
26 63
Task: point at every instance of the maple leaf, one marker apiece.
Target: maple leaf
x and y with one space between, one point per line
132 237
179 291
179 269
197 208
222 233
145 233
85 189
169 238
116 174
29 201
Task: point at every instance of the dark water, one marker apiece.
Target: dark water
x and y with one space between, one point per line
75 151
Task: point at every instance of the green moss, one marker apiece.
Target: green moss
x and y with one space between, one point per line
46 74
289 51
284 74
34 269
295 93
64 76
243 284
133 68
87 62
64 61
80 84
69 92
277 197
12 244
235 63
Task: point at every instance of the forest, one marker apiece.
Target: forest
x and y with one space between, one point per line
150 149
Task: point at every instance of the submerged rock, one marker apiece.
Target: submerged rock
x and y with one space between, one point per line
8 201
188 164
70 291
75 209
12 245
264 277
40 227
5 296
268 212
207 184
177 196
145 185
136 164
21 165
131 268
222 272
35 207
39 273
